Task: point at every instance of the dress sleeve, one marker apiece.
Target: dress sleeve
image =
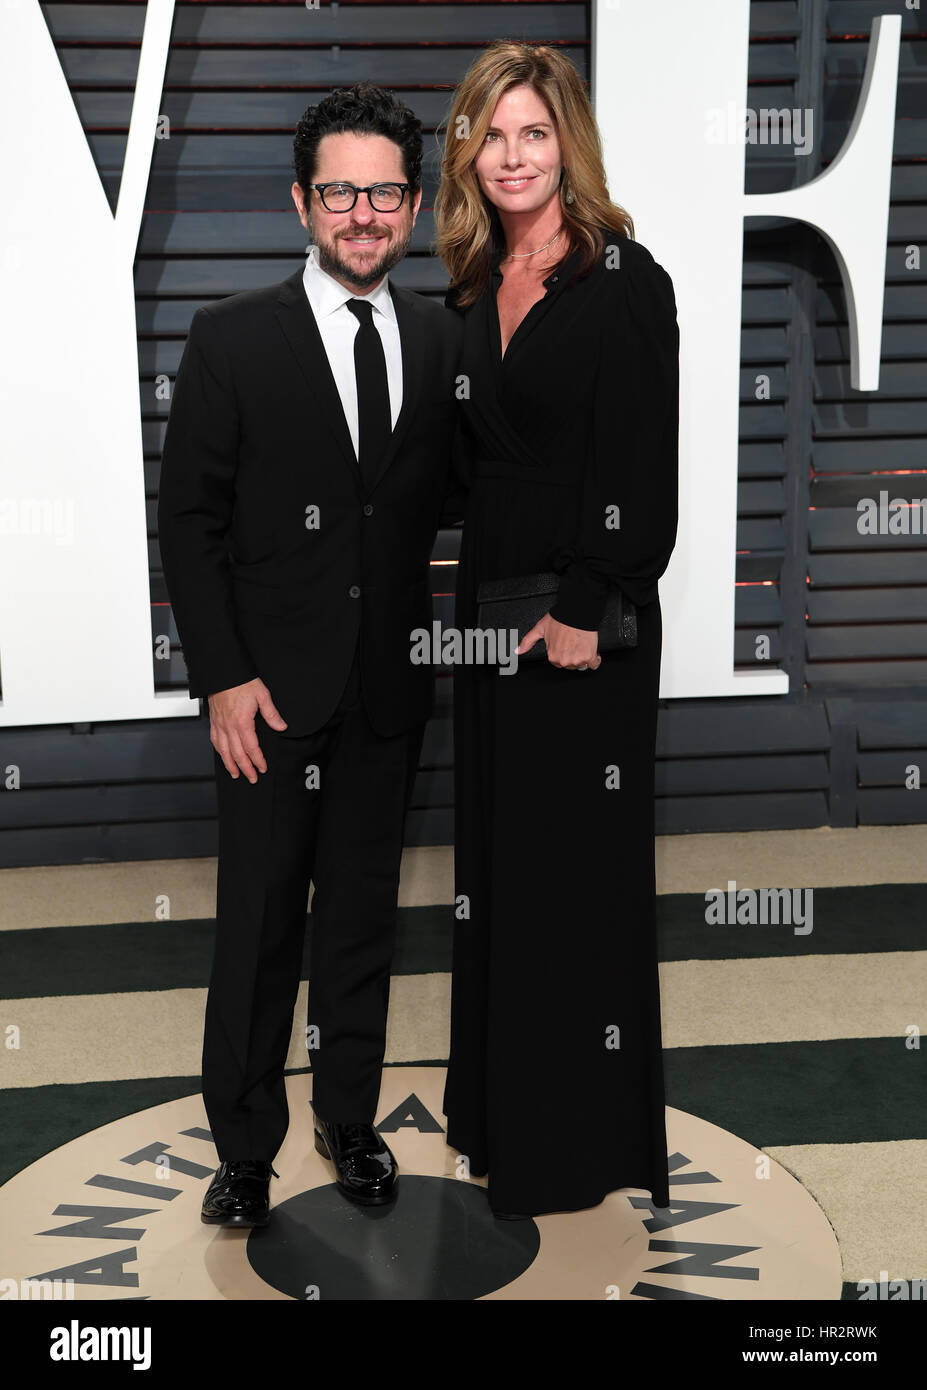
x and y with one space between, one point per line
629 508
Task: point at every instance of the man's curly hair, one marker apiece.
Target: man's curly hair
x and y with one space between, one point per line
366 109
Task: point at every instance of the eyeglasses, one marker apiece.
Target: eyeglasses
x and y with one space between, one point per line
341 197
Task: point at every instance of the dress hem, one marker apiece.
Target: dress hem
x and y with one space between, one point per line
479 1171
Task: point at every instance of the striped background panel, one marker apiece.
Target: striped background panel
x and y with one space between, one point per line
846 615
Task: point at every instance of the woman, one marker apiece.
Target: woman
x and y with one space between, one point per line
570 358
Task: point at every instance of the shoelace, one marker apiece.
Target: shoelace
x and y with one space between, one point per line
247 1168
355 1138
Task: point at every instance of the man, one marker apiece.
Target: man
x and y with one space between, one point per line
305 472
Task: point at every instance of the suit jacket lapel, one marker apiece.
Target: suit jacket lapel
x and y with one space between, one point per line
298 323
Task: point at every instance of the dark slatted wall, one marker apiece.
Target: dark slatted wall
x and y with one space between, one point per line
847 615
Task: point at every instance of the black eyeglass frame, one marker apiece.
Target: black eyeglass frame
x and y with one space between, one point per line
342 183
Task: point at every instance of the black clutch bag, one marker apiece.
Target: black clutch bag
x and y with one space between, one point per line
522 602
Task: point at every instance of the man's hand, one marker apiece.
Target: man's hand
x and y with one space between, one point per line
573 648
231 726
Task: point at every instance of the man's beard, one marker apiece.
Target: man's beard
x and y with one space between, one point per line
331 261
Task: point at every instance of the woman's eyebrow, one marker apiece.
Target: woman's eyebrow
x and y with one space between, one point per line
531 125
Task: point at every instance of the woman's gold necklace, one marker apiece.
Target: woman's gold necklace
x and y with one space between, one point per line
523 255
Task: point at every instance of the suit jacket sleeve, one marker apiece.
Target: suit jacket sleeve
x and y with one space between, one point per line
195 506
633 459
458 478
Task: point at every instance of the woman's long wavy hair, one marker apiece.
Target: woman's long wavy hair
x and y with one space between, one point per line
468 230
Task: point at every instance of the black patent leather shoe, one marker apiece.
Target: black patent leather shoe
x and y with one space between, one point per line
365 1169
238 1194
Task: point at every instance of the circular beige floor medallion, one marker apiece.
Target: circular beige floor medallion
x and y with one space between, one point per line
115 1214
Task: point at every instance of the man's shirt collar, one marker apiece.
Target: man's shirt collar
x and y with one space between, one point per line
325 294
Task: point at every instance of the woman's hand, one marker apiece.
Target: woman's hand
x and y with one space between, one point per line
572 648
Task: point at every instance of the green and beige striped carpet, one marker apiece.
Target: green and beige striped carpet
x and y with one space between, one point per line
804 1044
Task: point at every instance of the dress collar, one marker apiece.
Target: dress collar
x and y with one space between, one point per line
557 277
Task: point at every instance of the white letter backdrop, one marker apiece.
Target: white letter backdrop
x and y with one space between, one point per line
659 71
75 631
75 603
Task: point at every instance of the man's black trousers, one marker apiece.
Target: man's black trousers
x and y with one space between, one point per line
329 809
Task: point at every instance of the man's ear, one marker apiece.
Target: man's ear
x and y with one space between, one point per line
297 195
416 204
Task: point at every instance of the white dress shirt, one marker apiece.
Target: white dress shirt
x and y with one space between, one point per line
337 326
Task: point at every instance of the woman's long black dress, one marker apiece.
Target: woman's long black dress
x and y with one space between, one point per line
555 1078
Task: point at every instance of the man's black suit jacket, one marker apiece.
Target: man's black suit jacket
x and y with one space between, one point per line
274 553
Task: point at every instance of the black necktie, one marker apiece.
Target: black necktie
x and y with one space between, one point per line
373 409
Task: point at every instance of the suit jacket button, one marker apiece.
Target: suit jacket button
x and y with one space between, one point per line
354 591
368 509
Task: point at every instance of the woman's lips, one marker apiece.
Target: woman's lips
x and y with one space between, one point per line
514 184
